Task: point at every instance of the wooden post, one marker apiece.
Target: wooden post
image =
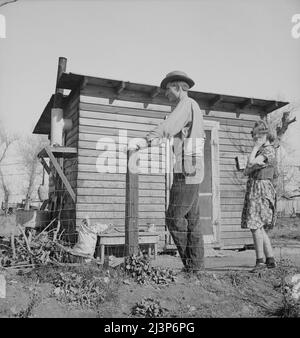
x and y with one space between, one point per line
61 68
131 211
58 103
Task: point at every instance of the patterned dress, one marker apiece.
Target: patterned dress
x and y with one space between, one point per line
260 199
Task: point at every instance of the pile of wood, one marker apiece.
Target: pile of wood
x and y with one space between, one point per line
30 248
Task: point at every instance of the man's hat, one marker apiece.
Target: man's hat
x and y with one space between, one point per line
177 75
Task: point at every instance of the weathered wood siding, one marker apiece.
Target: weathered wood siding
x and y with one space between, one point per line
101 195
234 139
70 166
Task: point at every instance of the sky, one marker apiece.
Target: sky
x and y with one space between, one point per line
234 47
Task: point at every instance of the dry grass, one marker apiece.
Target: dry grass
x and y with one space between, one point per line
286 228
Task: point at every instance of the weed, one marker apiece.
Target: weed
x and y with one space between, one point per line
138 267
148 308
236 278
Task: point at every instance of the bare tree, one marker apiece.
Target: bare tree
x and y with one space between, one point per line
6 140
7 2
29 149
280 121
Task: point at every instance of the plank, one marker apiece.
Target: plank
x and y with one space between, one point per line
235 148
231 221
116 207
231 201
229 158
235 129
116 192
231 214
233 187
236 174
237 142
121 139
227 166
241 181
112 143
91 129
101 184
89 103
119 199
60 172
232 207
116 214
235 136
231 121
121 221
237 227
117 184
101 164
232 115
111 153
111 160
118 177
115 124
228 161
109 207
131 211
118 116
114 168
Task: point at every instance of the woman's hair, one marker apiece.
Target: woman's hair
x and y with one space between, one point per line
180 84
263 128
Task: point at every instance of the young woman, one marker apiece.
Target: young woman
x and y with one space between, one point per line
259 212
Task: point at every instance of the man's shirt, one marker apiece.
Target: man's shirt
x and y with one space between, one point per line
185 124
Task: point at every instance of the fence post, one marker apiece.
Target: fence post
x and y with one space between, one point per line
131 210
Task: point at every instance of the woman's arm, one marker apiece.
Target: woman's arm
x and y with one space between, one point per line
254 163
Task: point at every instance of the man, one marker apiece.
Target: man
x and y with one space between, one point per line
185 124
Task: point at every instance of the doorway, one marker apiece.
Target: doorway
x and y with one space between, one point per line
209 187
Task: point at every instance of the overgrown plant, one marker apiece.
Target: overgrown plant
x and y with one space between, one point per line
290 307
82 290
148 308
139 268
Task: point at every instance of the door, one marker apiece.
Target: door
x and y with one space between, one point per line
209 187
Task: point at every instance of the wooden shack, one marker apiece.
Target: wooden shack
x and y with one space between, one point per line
106 114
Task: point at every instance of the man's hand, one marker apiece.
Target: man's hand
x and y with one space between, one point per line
137 144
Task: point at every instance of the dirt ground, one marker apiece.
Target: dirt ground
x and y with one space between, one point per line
226 288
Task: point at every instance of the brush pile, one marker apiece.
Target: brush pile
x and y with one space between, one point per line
33 249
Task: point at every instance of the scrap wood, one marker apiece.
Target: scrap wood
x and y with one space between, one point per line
62 247
13 247
25 238
20 266
46 227
56 231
